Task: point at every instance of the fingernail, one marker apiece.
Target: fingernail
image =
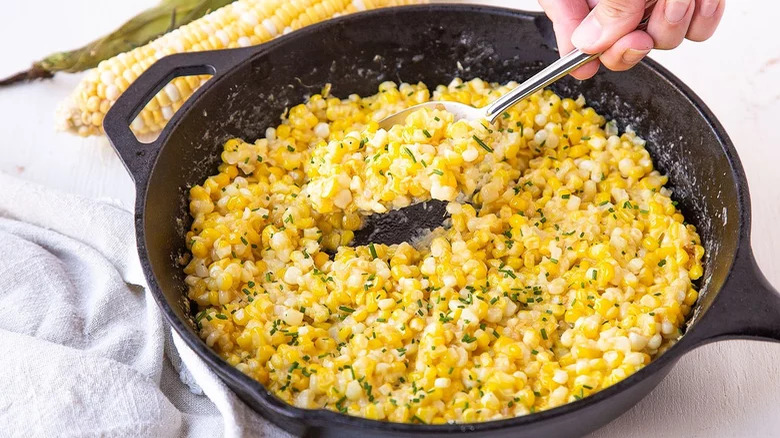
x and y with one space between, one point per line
708 8
675 10
632 56
587 33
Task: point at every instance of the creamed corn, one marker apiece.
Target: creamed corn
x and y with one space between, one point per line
568 269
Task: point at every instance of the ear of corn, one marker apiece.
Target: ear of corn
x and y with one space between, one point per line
239 24
139 30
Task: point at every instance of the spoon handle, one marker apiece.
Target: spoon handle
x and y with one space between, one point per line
558 69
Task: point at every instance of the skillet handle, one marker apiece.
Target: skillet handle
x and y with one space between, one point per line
139 157
747 307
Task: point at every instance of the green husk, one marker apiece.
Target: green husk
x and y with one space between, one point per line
139 30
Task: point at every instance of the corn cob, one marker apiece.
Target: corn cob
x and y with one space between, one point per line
139 30
241 23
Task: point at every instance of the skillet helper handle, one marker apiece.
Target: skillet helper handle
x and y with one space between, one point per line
747 307
139 157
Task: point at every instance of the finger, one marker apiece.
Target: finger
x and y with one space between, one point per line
606 23
705 19
566 15
627 51
669 22
587 71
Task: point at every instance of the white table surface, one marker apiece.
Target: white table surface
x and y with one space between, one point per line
727 389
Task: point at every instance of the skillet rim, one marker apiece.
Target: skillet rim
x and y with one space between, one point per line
325 417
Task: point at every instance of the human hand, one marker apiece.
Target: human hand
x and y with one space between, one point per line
609 27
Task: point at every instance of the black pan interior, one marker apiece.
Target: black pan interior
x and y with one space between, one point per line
433 45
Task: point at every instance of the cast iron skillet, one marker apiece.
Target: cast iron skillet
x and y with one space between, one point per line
251 87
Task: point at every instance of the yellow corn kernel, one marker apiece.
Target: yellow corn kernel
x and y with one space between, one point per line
584 352
691 297
225 281
695 272
199 249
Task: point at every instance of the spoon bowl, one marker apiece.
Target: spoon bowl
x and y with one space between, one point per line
459 110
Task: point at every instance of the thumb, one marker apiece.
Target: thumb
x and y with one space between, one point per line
607 22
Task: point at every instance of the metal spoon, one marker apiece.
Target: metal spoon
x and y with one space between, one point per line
558 69
404 224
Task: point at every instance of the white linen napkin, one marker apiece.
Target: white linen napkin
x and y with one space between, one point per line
85 350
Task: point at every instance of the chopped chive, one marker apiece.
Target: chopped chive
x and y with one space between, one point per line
346 309
341 409
410 154
437 172
200 316
372 250
427 134
468 338
220 316
544 334
482 143
419 419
